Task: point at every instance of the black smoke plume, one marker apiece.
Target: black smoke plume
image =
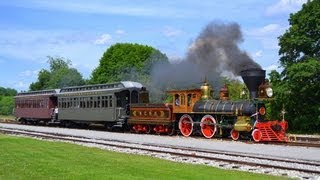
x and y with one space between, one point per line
213 54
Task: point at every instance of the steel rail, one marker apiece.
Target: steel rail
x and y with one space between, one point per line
298 141
193 152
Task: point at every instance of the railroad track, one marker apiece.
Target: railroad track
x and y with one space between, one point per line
234 160
293 139
297 143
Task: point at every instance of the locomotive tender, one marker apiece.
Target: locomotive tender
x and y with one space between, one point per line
126 105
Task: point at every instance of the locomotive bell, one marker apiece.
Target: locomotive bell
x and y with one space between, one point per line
253 78
206 91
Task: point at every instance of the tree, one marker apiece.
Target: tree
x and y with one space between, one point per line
302 40
125 61
6 105
58 63
60 75
63 77
43 80
7 91
298 93
297 88
6 100
235 88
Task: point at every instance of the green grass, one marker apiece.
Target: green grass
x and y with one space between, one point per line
26 158
10 117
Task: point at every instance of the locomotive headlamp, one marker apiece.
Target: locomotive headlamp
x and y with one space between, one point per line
269 92
262 111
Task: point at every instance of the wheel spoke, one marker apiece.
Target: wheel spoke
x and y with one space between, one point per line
234 134
256 135
208 127
186 125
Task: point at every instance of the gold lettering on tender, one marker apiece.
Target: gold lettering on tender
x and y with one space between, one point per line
161 113
149 113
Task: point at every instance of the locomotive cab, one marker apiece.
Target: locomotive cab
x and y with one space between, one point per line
184 100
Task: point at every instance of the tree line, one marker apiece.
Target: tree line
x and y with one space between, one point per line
6 100
297 87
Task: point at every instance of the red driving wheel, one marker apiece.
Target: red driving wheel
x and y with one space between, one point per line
186 125
208 126
256 135
234 134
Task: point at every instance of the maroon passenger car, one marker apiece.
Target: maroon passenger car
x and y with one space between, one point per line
35 106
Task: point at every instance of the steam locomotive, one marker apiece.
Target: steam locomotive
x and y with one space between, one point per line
195 111
126 105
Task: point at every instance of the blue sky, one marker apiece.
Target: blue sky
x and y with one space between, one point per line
31 30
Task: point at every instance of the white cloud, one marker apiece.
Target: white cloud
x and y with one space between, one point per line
285 7
174 58
270 28
35 46
271 67
267 35
21 85
103 39
171 32
266 30
269 43
29 73
257 54
127 8
120 32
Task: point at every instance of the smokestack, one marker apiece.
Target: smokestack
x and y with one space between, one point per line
253 78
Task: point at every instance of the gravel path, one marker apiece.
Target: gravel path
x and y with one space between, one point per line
303 153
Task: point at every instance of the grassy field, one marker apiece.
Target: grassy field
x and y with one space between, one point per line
10 117
26 158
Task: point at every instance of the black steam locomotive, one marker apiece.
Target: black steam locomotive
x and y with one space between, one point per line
194 110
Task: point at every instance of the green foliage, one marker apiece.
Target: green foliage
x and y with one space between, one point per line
6 105
125 61
168 98
63 77
297 88
235 88
301 40
299 93
58 63
7 91
43 81
281 95
6 100
60 75
26 158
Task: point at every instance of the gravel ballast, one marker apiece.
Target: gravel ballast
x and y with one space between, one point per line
291 152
